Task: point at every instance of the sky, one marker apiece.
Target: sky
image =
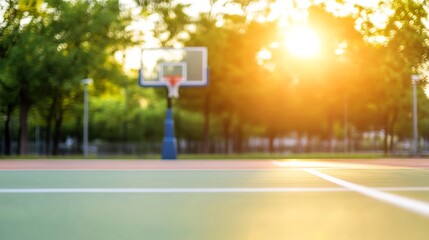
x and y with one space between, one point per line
281 8
132 55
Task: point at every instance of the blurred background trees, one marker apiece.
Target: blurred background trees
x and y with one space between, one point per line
263 96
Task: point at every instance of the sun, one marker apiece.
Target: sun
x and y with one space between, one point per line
302 42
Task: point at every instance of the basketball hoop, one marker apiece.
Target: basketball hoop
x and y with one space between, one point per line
173 68
173 83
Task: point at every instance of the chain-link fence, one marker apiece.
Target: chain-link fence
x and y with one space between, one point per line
252 145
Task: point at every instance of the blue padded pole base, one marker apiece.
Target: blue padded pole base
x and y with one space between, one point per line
169 145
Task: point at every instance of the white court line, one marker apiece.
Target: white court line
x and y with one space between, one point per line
168 190
419 207
198 190
142 170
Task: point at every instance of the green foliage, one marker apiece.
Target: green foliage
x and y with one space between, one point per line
47 47
393 61
52 47
310 96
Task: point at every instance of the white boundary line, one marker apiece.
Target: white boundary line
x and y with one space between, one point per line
415 206
168 190
149 170
200 190
402 189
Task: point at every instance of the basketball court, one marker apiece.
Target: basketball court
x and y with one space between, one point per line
267 199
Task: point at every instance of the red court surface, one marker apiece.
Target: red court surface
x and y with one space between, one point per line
203 164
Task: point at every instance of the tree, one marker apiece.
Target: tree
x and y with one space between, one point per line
395 59
72 40
20 31
89 50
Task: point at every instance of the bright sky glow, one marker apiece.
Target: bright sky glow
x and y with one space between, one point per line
302 42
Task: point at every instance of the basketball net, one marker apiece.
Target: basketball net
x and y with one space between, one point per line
173 83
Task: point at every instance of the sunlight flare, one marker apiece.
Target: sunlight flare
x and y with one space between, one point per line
302 42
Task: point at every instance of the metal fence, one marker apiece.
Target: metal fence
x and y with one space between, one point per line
252 145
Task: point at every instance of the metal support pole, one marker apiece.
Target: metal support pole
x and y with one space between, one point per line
414 79
85 83
346 142
85 122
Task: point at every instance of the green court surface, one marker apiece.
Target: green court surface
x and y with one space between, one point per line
311 201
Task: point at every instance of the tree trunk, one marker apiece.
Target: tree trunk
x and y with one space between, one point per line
392 129
7 131
386 135
226 125
206 124
47 144
23 121
57 131
385 143
389 124
271 137
298 147
238 138
330 133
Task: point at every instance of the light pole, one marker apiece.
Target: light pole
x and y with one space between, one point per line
414 79
346 112
85 82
